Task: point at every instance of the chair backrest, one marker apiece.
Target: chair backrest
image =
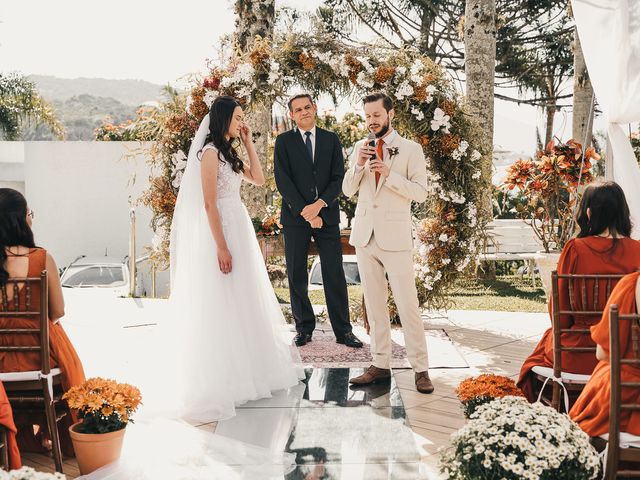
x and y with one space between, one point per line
25 288
615 454
511 236
577 287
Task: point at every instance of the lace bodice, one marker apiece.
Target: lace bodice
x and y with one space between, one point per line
228 181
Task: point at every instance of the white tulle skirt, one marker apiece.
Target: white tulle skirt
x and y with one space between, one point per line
221 344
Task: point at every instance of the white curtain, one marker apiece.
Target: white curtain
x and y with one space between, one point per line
609 32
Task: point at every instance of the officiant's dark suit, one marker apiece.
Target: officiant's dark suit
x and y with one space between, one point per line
309 168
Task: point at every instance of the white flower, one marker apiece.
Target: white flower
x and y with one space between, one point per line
179 161
177 180
363 81
404 90
440 120
209 97
189 103
443 237
418 113
365 63
475 155
401 71
476 175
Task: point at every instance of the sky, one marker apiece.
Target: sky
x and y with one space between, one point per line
140 39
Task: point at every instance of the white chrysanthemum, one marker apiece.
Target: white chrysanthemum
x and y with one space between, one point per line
443 237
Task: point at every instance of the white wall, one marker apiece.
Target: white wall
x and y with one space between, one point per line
12 165
81 194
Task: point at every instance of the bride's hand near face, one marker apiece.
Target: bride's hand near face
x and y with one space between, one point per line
246 134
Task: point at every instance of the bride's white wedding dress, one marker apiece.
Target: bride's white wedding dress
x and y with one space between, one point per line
221 345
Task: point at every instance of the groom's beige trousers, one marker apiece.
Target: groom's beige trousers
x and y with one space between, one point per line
373 263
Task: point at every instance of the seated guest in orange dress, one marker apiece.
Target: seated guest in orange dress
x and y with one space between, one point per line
19 258
591 410
6 420
603 246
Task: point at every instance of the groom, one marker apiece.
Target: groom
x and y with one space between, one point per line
309 168
388 176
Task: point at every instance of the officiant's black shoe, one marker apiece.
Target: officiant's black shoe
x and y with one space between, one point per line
301 339
350 340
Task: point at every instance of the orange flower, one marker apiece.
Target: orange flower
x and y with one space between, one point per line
487 385
383 74
307 62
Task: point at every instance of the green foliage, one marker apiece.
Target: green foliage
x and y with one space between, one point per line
21 104
95 422
81 115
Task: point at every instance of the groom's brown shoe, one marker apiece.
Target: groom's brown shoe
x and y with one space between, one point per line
423 382
373 374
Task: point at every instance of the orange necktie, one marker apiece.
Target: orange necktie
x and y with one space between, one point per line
381 156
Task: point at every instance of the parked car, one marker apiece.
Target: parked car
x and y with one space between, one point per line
351 273
109 274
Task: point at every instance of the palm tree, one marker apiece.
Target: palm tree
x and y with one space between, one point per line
21 104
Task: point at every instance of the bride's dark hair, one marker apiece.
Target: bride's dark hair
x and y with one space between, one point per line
220 116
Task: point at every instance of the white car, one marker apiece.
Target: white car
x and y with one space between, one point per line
351 273
106 274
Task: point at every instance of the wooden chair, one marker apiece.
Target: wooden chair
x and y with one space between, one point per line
564 384
32 392
4 449
615 452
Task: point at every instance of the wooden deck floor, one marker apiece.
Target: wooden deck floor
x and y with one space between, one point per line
432 417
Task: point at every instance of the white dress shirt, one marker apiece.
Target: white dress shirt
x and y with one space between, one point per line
312 137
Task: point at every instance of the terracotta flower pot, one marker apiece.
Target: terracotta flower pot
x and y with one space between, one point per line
95 450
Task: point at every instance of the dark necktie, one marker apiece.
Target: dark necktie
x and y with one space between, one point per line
308 144
380 153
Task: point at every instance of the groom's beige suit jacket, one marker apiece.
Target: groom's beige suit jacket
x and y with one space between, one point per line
385 211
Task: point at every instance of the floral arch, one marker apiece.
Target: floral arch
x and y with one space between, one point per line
428 109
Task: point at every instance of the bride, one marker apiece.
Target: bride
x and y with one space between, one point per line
232 321
223 343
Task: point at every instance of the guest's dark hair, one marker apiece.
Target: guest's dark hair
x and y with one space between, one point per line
296 97
14 229
387 103
220 116
609 211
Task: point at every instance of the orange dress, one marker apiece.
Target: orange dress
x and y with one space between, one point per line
63 356
6 420
591 410
588 255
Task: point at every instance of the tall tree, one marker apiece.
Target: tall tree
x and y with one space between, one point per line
583 107
480 60
525 29
540 62
255 19
20 104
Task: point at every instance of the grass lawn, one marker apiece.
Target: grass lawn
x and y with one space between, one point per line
506 293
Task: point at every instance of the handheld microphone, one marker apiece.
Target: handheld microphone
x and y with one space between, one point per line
372 143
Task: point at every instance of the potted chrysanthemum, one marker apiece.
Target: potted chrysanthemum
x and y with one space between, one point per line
476 391
512 439
105 407
28 473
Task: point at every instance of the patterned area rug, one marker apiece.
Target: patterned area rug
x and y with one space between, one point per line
323 351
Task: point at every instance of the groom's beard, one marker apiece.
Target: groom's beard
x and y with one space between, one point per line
383 131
